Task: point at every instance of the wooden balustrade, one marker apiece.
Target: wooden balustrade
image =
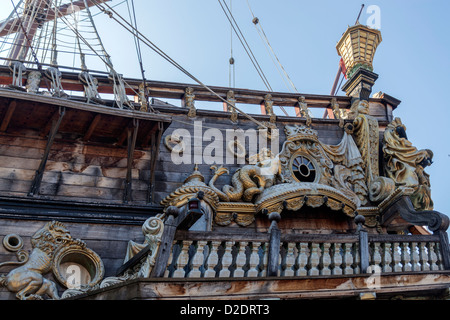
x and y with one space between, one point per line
212 255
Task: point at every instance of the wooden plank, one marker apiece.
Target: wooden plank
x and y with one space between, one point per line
7 118
92 127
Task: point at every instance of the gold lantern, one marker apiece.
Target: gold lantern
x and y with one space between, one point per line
357 48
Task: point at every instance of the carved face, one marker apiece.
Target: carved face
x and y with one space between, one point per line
363 107
51 236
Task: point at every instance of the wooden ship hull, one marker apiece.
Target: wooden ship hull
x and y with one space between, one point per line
152 229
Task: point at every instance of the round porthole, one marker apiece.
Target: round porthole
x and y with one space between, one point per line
13 242
77 267
304 169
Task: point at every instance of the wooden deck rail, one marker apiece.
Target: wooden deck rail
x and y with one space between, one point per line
216 255
177 91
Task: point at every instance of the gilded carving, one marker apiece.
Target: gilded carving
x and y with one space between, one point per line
303 143
174 143
268 106
28 281
366 132
231 106
338 113
189 102
248 181
192 185
405 164
242 219
295 204
152 229
304 111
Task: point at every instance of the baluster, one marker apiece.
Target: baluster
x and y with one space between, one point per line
377 265
213 260
290 260
439 256
424 257
314 260
265 259
169 262
198 260
254 260
337 259
432 256
348 258
325 260
406 257
241 260
302 259
415 257
387 257
183 260
356 259
227 260
397 257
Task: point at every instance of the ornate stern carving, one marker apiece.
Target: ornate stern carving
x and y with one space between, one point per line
189 102
366 133
55 250
303 110
268 107
405 164
139 260
231 106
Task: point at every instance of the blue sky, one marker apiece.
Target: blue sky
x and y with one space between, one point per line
412 61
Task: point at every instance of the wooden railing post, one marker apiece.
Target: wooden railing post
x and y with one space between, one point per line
445 248
363 243
274 245
170 228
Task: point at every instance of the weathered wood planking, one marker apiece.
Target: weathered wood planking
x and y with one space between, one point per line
85 165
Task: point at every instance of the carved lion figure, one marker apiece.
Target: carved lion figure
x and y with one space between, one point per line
28 281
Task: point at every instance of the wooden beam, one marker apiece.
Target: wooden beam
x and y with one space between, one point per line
156 142
132 136
35 185
165 248
92 127
7 118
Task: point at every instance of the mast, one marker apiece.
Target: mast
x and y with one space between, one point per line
35 14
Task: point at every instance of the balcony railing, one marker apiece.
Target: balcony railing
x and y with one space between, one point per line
211 255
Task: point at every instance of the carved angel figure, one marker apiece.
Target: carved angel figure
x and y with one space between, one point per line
405 164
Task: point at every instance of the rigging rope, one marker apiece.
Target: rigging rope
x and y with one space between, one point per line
125 24
139 53
257 22
249 51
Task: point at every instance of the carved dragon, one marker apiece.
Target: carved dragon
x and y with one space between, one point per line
248 181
